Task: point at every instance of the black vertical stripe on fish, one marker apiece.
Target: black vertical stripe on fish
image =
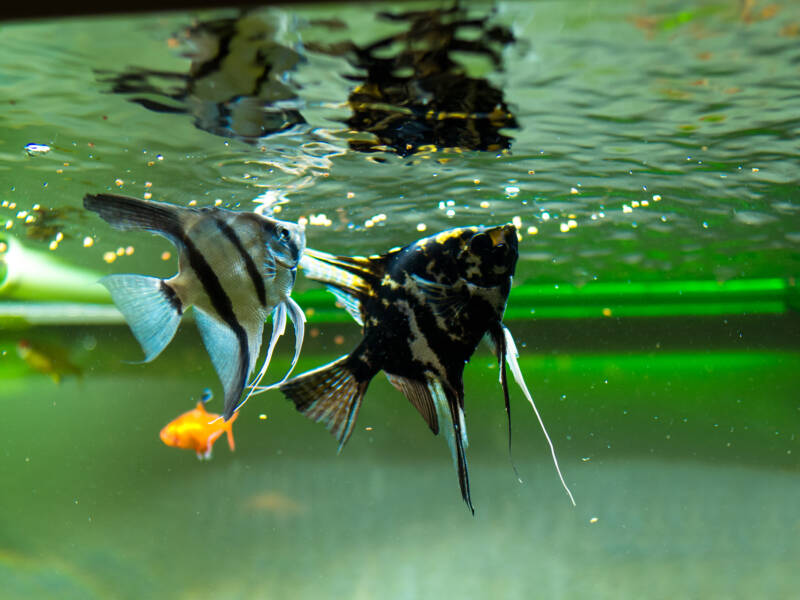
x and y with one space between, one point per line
130 213
172 297
252 270
224 307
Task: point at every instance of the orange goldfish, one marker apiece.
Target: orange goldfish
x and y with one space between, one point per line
198 429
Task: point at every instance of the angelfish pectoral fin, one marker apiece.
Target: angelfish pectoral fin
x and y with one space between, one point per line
511 357
229 354
451 421
330 395
151 308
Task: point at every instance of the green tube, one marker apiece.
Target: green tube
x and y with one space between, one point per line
27 274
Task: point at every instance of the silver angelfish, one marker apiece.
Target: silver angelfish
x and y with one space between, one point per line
234 268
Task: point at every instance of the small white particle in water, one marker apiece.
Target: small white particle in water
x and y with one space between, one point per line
160 157
476 181
53 245
22 214
573 190
656 197
586 458
564 227
450 212
593 520
9 224
545 216
421 227
705 225
572 223
450 203
484 204
517 221
532 230
626 208
59 236
37 149
511 191
635 204
755 169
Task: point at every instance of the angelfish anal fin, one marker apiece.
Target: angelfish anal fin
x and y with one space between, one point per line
225 350
419 395
451 421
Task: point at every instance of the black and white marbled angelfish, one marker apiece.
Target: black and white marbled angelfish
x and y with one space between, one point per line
424 308
234 268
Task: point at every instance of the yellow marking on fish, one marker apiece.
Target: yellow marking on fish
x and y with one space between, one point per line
389 282
496 235
446 235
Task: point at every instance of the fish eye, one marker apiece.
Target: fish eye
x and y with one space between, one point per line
284 234
480 243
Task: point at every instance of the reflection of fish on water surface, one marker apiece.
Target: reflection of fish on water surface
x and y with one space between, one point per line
198 429
235 268
418 89
238 85
423 309
48 359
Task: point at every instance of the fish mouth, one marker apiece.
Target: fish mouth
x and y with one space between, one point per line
503 234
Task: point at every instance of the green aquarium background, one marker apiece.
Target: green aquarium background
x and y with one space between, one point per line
647 153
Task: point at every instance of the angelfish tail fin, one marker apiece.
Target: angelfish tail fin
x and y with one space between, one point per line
450 417
511 357
330 395
151 308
